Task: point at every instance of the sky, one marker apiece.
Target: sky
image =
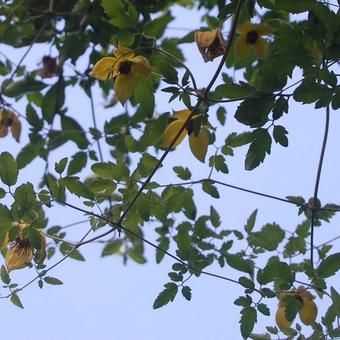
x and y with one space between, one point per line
103 299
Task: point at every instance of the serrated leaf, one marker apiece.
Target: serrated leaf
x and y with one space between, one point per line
251 222
186 292
76 187
210 189
248 320
165 296
262 308
238 263
112 248
182 173
214 217
4 275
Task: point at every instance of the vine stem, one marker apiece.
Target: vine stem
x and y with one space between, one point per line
317 183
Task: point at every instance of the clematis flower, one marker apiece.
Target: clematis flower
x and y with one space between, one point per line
21 251
125 68
250 38
9 120
211 44
198 143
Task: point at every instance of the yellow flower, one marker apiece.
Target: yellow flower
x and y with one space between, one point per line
125 68
211 44
21 252
198 144
309 310
9 120
250 39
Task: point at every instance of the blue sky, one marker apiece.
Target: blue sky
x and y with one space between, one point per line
103 299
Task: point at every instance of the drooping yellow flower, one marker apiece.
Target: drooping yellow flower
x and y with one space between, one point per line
211 44
21 251
9 120
309 310
250 38
198 144
125 68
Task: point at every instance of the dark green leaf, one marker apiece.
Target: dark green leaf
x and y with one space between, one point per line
210 189
76 187
251 222
16 301
52 280
238 263
329 266
186 292
4 275
182 173
214 217
21 87
8 169
248 320
167 295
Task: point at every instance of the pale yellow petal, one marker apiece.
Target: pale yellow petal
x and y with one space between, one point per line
141 66
246 27
18 256
242 49
123 52
182 114
103 69
263 29
199 144
261 47
172 131
206 38
124 86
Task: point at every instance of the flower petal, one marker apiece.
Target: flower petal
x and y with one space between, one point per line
206 38
103 69
171 132
199 144
141 66
123 52
18 256
124 86
261 48
246 27
182 114
263 29
242 49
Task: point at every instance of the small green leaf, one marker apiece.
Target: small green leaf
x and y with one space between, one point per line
165 296
329 266
19 88
214 217
52 280
16 301
238 263
262 308
251 222
182 173
76 187
245 282
8 169
210 189
61 165
4 275
186 292
248 320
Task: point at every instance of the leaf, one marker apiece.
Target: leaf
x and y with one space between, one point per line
245 282
121 16
269 238
258 149
27 154
110 170
52 280
21 87
329 266
254 111
251 222
77 163
280 135
262 308
74 132
67 249
248 320
156 27
4 275
16 301
309 92
210 189
53 100
8 169
214 217
61 165
144 95
165 296
76 187
186 292
182 173
238 263
294 6
232 90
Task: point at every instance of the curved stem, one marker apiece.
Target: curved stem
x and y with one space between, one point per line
316 186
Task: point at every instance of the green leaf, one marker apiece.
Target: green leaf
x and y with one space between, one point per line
186 292
232 90
310 92
77 163
262 308
221 114
293 6
76 187
67 249
239 139
238 263
4 275
110 170
251 222
280 135
254 111
21 87
136 255
182 173
27 154
53 100
164 245
210 189
61 165
16 301
245 282
146 164
144 95
121 15
269 238
8 169
156 27
248 320
329 266
214 217
52 280
258 149
165 296
74 132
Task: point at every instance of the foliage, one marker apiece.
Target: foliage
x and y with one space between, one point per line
110 177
